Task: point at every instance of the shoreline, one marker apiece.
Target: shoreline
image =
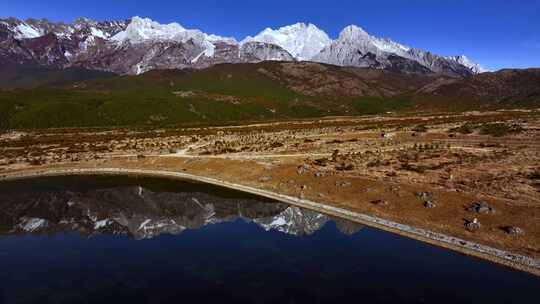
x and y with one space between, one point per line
502 257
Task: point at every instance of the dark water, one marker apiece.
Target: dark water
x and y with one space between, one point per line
101 240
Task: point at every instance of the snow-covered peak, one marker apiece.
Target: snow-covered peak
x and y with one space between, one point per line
143 29
301 40
355 35
465 61
352 33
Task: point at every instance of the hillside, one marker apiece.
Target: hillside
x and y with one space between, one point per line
232 93
32 76
505 88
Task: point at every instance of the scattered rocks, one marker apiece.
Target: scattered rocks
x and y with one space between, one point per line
514 231
343 184
265 179
427 197
429 204
473 225
481 208
380 202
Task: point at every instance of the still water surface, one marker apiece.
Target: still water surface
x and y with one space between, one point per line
142 240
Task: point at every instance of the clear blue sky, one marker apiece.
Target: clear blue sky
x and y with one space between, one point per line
495 33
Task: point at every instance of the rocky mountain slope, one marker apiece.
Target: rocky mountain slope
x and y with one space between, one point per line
355 47
139 45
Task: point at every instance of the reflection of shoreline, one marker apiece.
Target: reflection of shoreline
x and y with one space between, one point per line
503 257
143 214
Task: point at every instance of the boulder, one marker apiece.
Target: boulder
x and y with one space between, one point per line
480 207
473 225
429 204
380 202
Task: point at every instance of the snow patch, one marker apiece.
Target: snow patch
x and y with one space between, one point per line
102 223
26 31
143 224
98 33
31 224
194 60
278 222
139 69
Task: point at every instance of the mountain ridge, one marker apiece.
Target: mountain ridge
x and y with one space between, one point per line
138 45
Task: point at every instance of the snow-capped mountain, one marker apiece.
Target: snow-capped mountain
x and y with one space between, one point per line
138 45
302 41
142 30
355 47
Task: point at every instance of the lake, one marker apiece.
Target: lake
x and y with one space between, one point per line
147 240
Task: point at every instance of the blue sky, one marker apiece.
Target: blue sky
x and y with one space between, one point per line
495 33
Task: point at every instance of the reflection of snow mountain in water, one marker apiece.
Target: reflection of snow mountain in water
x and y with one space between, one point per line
295 221
141 213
